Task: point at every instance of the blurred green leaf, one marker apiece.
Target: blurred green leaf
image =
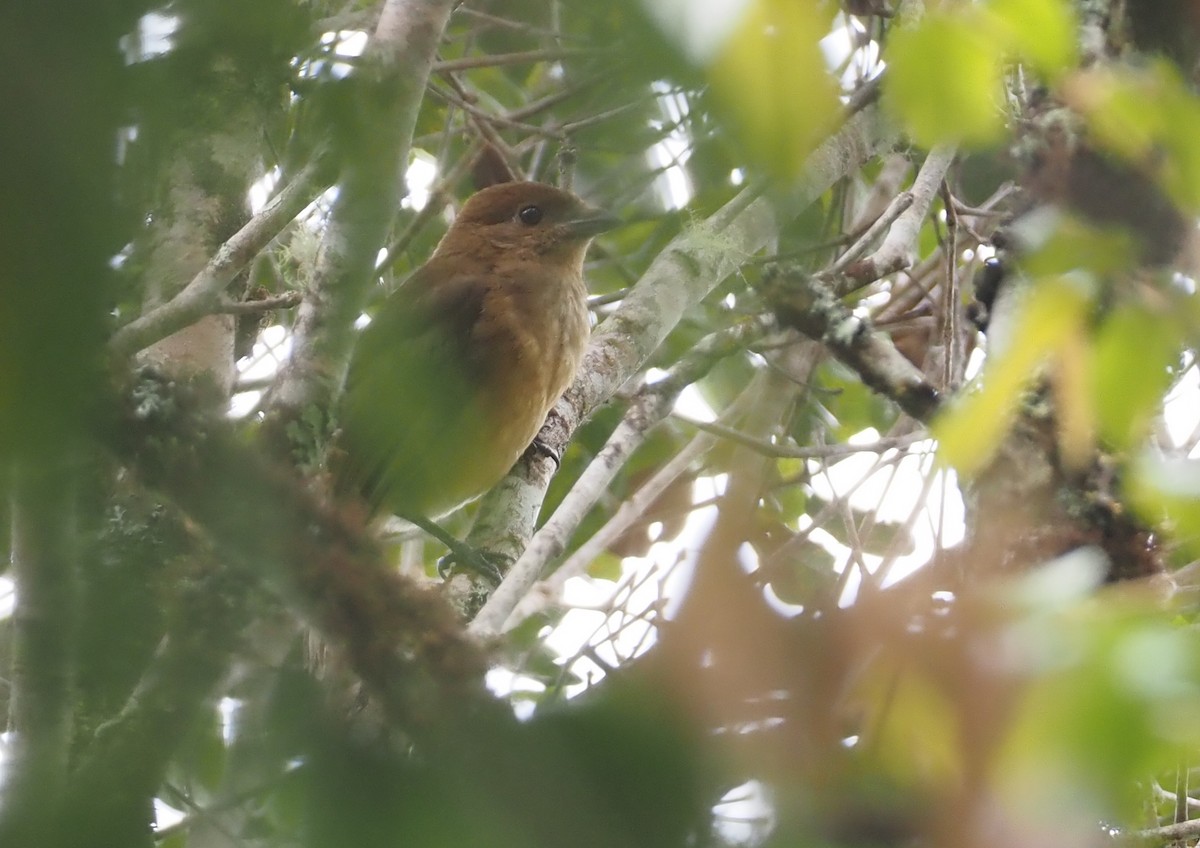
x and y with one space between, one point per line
1149 116
970 431
1042 32
203 755
1066 244
917 738
808 574
1166 492
792 500
946 73
944 81
1179 173
887 538
1121 109
1117 694
770 80
546 666
879 538
1133 351
855 406
605 567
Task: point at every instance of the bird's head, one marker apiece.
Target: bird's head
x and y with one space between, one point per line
527 218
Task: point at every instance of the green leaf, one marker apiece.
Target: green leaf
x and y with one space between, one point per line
855 406
808 574
1148 116
1122 109
203 755
1042 32
945 80
1168 492
1180 169
770 81
1116 692
1132 354
792 501
887 538
605 567
545 666
1069 244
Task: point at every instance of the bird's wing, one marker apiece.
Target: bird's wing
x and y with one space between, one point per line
434 302
409 406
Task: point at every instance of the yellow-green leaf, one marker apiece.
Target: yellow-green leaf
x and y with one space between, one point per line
1180 174
1123 109
1076 417
1041 32
1075 245
1133 350
770 81
945 80
606 566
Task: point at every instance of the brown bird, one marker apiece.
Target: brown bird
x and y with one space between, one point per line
454 376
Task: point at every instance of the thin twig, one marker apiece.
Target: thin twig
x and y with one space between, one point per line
788 452
287 300
896 251
202 296
950 295
895 209
507 23
528 57
598 300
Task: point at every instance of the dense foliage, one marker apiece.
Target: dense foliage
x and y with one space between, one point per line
877 512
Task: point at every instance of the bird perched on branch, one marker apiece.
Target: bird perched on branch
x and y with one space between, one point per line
454 376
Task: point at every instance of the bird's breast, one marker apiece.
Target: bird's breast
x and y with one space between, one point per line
529 343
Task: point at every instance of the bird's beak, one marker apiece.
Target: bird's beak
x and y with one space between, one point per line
592 222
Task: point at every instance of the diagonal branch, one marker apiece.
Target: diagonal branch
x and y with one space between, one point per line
204 294
899 246
811 307
127 760
287 300
528 57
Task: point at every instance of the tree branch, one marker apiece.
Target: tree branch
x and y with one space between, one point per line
44 569
631 510
899 205
390 83
203 295
287 300
1178 832
402 639
806 304
127 760
527 58
898 247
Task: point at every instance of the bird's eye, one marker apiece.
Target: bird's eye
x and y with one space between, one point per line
530 215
